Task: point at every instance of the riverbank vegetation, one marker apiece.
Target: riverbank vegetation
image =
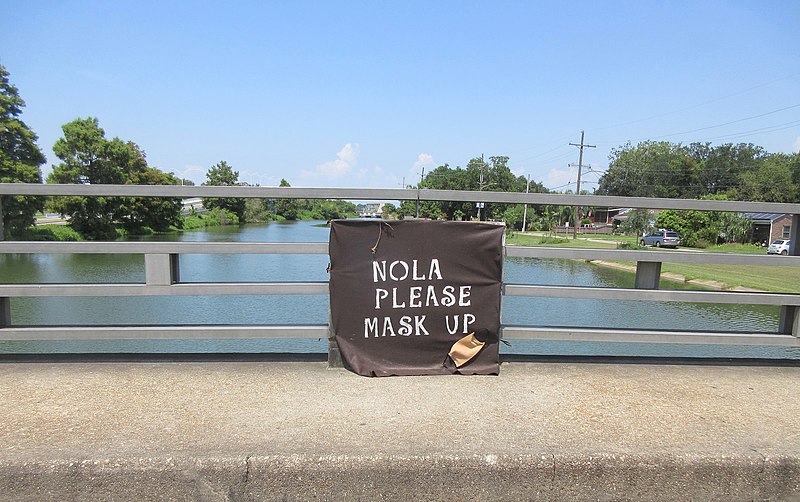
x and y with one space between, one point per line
49 233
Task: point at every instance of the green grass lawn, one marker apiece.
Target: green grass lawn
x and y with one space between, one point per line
736 248
765 278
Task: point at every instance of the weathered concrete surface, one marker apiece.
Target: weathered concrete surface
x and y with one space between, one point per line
298 431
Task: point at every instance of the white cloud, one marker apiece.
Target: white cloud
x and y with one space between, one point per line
346 159
797 144
423 160
349 153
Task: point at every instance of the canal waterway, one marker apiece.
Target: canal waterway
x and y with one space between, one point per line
313 309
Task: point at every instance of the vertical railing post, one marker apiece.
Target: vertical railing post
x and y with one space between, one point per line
5 303
161 269
648 274
5 312
789 323
334 353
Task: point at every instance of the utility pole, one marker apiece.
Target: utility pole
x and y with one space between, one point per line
525 211
421 176
580 146
480 189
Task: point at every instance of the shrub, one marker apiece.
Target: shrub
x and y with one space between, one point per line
215 217
49 233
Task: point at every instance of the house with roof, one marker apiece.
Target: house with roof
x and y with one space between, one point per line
769 226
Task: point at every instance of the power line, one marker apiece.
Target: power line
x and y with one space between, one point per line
774 128
711 126
731 122
698 104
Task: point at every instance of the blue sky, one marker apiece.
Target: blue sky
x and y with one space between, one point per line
366 94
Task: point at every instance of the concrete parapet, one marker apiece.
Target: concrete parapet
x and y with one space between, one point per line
298 431
295 477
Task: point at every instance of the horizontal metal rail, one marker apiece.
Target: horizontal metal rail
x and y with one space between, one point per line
38 247
180 289
394 194
650 336
321 288
202 332
651 295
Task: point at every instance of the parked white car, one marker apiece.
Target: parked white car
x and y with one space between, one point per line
779 246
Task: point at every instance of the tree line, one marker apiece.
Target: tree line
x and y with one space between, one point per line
741 171
494 176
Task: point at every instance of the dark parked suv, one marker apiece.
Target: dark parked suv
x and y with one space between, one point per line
661 238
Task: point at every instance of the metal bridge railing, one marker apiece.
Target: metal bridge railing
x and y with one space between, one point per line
162 269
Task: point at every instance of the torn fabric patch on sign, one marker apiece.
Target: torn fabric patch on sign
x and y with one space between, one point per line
416 297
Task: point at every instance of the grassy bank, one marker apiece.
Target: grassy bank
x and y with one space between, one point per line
763 278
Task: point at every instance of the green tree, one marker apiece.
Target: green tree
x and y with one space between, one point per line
649 169
770 181
287 208
492 176
255 210
731 227
544 218
793 161
157 213
512 216
388 210
20 160
223 174
638 222
324 209
445 178
88 157
694 227
719 169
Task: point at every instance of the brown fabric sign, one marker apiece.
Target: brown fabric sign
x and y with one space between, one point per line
416 297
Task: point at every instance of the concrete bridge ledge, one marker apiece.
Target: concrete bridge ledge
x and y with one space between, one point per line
294 477
298 431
